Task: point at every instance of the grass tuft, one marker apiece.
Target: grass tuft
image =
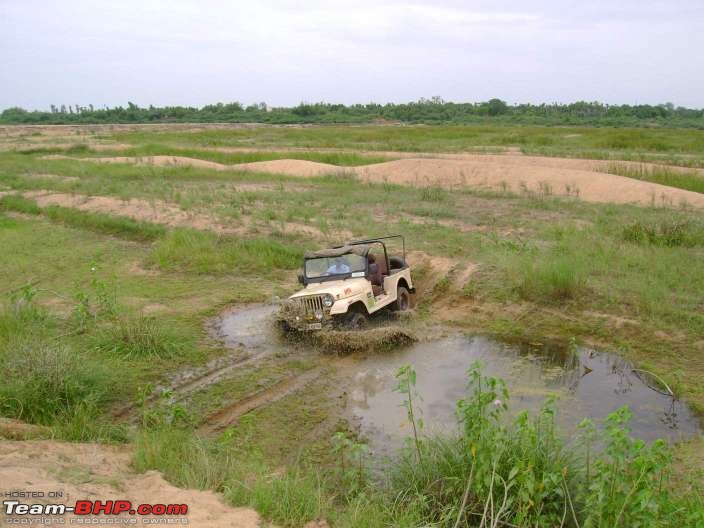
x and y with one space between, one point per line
551 279
667 232
139 337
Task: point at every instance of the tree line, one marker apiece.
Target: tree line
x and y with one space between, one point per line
432 111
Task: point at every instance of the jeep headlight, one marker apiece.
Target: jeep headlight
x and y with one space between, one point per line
328 301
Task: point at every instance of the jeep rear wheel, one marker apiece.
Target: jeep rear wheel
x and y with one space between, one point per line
355 321
403 299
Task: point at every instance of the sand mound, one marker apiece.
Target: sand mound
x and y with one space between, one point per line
293 167
290 167
100 472
506 172
583 179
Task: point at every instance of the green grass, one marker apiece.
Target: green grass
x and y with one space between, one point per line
140 337
690 181
93 348
45 381
98 222
202 252
677 145
669 233
343 159
551 278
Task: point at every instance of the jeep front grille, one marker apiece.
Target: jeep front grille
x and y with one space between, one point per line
311 304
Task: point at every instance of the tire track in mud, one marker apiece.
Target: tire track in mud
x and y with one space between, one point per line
177 391
247 344
230 414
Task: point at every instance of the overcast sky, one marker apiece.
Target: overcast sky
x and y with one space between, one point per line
194 52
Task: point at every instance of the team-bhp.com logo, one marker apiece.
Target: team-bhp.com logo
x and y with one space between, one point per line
123 508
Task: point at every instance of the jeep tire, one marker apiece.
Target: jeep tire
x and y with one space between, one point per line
355 321
403 299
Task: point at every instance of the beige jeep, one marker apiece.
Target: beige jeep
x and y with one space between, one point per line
344 285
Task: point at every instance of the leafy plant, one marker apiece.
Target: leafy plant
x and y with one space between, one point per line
406 385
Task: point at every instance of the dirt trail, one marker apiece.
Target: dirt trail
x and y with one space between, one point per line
579 178
230 414
102 472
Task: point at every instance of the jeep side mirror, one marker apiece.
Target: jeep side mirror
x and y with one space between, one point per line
301 279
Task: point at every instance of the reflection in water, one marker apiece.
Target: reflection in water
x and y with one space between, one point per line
588 384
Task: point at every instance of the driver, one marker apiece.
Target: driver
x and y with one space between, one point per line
340 266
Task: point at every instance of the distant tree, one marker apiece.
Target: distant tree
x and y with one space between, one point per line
496 107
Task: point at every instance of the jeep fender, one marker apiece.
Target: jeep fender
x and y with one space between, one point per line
342 306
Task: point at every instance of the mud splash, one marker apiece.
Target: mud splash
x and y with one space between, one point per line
586 383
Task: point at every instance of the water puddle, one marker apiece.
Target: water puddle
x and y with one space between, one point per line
251 327
588 384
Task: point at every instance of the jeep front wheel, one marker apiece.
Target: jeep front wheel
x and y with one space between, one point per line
355 321
403 299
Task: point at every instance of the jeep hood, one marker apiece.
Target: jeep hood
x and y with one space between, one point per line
339 289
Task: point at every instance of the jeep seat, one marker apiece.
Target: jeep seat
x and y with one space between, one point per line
375 276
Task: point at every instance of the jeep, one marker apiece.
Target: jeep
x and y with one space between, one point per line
344 285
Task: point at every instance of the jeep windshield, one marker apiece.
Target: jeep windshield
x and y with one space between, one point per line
324 267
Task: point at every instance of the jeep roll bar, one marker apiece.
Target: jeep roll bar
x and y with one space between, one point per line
379 239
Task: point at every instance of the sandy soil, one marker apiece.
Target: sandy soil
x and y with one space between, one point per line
576 178
99 472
